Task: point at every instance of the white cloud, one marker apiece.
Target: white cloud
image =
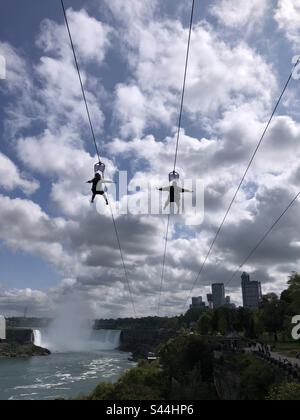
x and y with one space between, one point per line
13 302
91 37
236 14
220 76
287 15
134 12
11 178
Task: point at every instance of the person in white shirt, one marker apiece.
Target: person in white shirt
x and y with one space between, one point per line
174 195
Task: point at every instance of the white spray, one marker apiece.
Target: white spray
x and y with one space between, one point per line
72 330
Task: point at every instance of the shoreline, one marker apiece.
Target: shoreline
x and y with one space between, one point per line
21 351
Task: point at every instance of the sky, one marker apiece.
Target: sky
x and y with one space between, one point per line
54 246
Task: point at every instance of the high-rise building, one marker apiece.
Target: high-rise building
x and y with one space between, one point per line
197 302
2 328
218 295
252 293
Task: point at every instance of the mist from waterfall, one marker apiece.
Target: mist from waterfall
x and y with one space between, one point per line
72 331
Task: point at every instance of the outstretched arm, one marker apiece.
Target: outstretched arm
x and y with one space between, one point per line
186 191
90 182
164 189
106 181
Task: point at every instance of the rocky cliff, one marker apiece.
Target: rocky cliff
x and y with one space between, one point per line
13 350
20 343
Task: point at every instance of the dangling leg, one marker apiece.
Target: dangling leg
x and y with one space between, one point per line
178 206
167 203
105 198
93 198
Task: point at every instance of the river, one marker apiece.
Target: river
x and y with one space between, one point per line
62 374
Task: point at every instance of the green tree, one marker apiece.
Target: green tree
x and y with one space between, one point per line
246 322
272 315
182 354
205 324
285 392
291 296
256 379
193 315
146 382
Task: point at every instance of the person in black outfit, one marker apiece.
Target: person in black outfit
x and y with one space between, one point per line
97 187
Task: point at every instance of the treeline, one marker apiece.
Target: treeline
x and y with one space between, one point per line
23 322
273 318
140 323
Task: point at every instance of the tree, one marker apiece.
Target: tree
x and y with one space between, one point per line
146 382
183 353
246 322
256 379
205 324
285 392
272 315
193 315
291 296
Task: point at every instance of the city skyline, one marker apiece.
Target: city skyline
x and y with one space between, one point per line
251 294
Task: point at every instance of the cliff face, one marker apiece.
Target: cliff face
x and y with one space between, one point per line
142 341
227 384
19 336
20 343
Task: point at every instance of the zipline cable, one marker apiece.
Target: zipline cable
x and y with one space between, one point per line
264 237
163 266
184 85
241 183
80 80
177 143
98 154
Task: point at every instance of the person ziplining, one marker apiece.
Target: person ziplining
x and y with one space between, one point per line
98 187
174 195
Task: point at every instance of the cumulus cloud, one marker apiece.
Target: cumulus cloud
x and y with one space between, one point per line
11 178
287 16
219 76
14 301
230 92
236 15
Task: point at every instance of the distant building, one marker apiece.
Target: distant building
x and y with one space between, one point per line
210 301
228 303
252 293
2 328
218 295
197 302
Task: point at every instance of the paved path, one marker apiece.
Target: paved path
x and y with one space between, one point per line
278 356
281 357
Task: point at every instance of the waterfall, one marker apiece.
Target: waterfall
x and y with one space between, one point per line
78 340
37 338
106 339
